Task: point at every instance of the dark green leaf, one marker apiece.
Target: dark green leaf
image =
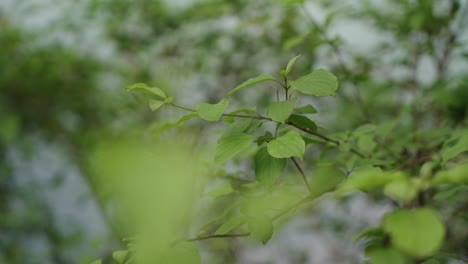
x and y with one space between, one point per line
230 145
418 232
287 146
307 109
319 83
251 82
212 112
280 111
302 122
451 152
268 168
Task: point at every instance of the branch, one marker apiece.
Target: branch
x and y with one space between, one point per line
302 173
260 117
198 238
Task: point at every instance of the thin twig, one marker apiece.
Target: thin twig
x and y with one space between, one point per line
198 238
302 173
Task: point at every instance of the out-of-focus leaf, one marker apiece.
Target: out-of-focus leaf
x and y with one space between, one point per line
325 179
417 232
453 151
184 252
268 168
404 190
120 256
141 87
230 224
261 228
386 256
155 104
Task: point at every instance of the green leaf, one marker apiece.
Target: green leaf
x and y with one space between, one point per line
230 145
367 179
230 224
267 168
98 261
184 252
181 120
261 228
290 65
302 122
374 232
453 151
212 112
404 190
221 190
457 174
287 146
307 109
280 111
366 143
141 87
120 256
155 104
250 82
418 232
318 83
386 256
325 179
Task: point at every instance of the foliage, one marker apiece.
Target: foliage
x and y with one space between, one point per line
407 157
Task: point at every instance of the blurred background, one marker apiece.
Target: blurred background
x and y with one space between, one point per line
64 67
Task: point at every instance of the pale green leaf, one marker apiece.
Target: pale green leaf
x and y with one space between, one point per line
141 87
212 112
230 224
184 252
250 82
155 104
366 143
290 65
287 146
120 256
261 228
457 174
386 256
280 111
325 179
98 261
417 232
307 109
453 151
267 168
230 145
318 83
221 190
367 179
404 190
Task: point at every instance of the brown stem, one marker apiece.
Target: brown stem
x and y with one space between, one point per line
198 238
302 173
